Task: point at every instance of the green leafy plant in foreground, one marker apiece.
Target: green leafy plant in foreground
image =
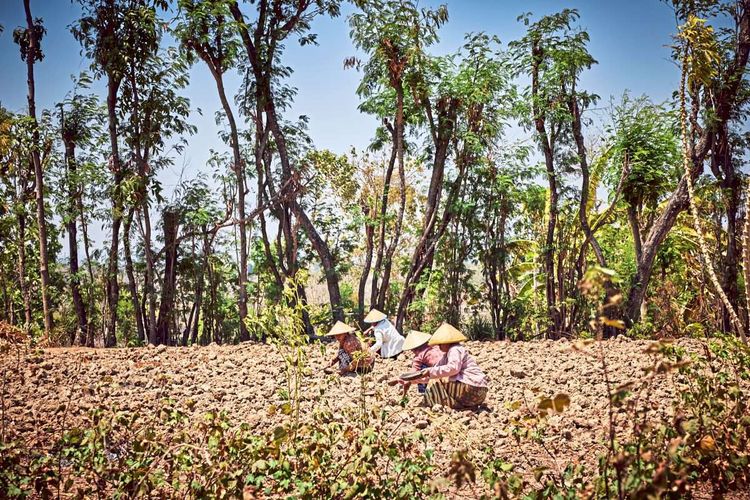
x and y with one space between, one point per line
705 441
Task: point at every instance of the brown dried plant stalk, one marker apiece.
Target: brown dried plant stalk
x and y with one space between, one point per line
694 210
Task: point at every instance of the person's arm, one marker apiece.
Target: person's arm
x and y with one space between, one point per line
378 341
450 368
416 362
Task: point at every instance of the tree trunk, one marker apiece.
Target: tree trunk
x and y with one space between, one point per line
723 168
31 57
421 260
148 312
73 202
166 306
326 260
318 243
112 283
199 286
238 167
263 68
21 243
547 144
656 235
385 284
612 309
724 100
369 233
132 285
89 342
377 271
746 251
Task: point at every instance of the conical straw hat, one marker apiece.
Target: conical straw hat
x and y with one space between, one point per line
339 329
415 339
374 316
447 334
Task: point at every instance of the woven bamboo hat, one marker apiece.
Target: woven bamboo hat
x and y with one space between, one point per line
340 328
415 339
374 316
447 334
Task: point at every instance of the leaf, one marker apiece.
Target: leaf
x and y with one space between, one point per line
539 472
556 404
614 323
279 433
707 444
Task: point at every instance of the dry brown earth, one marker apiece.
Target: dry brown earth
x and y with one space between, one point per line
53 389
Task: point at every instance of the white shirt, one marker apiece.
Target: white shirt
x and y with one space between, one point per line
387 339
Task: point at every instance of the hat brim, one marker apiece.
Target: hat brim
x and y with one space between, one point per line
415 339
336 334
374 316
447 334
340 328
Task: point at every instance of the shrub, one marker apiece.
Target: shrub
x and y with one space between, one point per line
705 442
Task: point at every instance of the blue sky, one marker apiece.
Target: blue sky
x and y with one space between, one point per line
629 39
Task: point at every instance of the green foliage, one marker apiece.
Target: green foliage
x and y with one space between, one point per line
24 472
645 139
703 442
283 325
708 437
120 456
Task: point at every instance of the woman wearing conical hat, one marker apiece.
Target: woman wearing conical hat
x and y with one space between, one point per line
350 356
388 341
456 381
425 356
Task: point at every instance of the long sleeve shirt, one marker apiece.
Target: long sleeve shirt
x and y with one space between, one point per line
458 366
387 339
426 356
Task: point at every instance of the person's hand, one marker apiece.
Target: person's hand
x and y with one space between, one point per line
328 370
394 381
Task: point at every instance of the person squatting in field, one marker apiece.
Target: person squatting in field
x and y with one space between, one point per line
425 356
456 380
388 341
351 357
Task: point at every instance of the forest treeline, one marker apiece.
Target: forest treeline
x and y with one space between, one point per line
443 217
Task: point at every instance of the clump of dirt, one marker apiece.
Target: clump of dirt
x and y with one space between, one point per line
50 390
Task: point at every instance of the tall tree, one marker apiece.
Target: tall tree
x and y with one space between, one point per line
29 40
78 120
553 54
262 37
462 110
112 34
394 35
205 32
15 175
719 108
153 113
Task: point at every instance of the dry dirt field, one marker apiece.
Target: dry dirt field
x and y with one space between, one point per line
47 390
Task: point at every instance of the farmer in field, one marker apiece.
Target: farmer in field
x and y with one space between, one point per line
456 381
425 356
388 341
351 357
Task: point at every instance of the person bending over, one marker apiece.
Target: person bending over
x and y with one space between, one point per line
425 356
388 341
456 381
351 357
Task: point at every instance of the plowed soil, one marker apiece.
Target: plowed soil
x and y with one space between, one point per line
49 390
